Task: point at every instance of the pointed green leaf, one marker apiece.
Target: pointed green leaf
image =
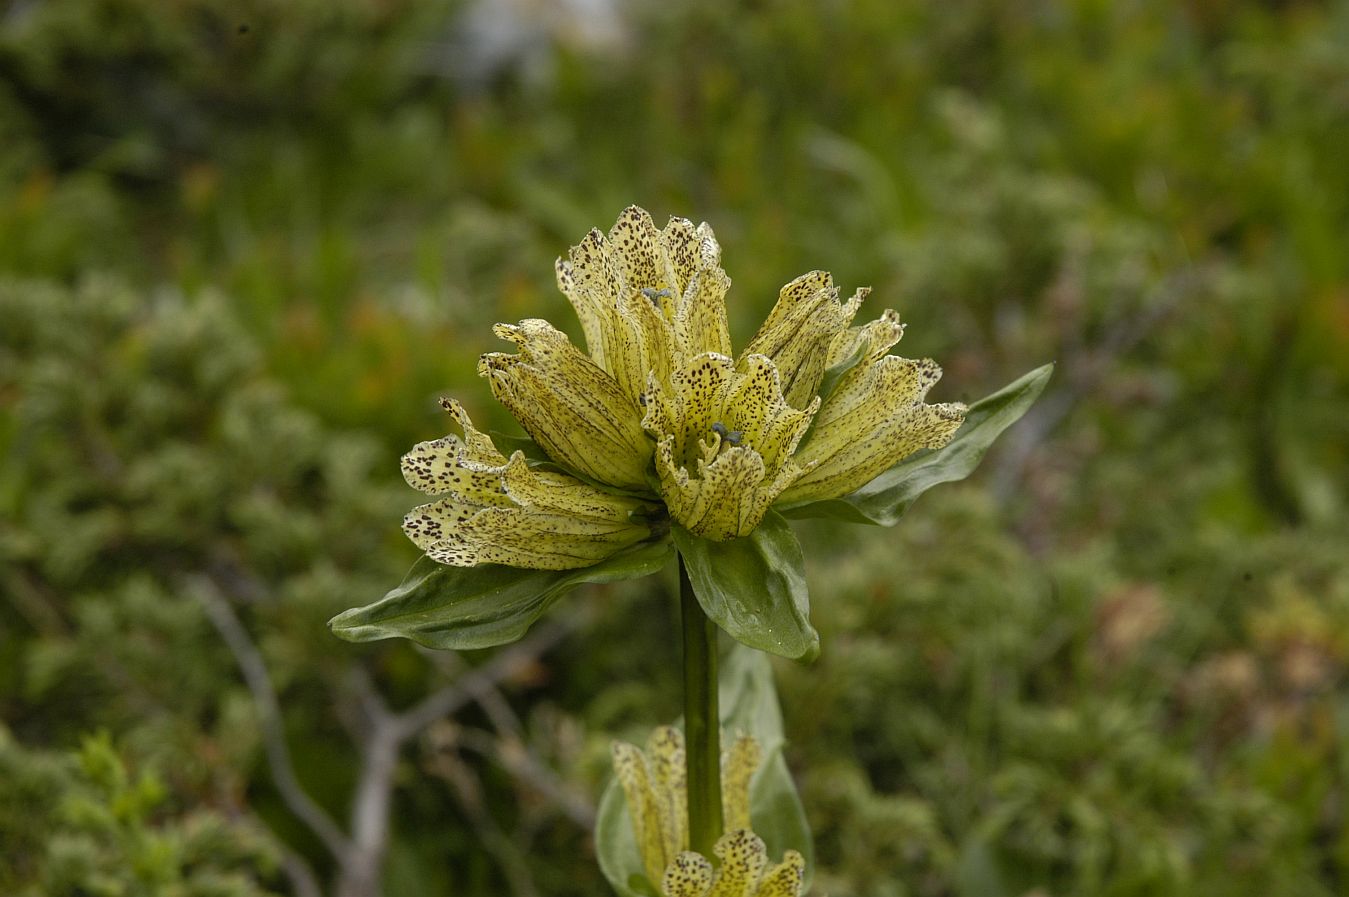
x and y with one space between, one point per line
749 704
459 608
754 587
748 697
885 499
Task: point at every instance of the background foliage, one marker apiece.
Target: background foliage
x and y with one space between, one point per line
245 245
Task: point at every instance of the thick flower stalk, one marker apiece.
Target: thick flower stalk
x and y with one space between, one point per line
659 414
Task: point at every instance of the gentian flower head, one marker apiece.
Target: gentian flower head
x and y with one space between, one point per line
743 869
653 782
659 418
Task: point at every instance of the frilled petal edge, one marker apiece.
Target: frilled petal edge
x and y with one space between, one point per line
726 437
744 871
490 509
872 421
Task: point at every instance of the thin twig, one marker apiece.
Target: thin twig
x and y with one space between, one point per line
467 790
255 674
361 868
447 700
302 879
490 699
382 734
513 757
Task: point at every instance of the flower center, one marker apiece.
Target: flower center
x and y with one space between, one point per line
728 437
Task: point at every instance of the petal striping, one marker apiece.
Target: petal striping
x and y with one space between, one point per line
569 405
872 421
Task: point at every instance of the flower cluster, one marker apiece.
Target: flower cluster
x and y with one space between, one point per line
659 412
653 784
743 870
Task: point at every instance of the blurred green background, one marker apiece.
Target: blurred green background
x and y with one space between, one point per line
245 245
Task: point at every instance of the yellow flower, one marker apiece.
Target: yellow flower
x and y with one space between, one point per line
491 510
648 299
875 415
743 870
801 332
569 405
660 410
725 440
728 433
654 787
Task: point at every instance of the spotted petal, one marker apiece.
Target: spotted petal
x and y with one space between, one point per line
451 533
801 330
690 875
647 299
573 409
726 437
456 466
872 339
743 858
786 879
653 784
873 420
508 513
694 259
738 766
743 871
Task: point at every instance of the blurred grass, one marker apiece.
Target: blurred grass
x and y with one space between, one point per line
246 245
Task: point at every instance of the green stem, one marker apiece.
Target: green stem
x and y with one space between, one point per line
702 725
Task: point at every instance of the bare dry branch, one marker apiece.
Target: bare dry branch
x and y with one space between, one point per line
301 877
458 693
517 760
362 867
254 670
381 735
467 790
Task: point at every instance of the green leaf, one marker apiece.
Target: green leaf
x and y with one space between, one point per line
749 704
885 499
754 587
747 696
459 608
